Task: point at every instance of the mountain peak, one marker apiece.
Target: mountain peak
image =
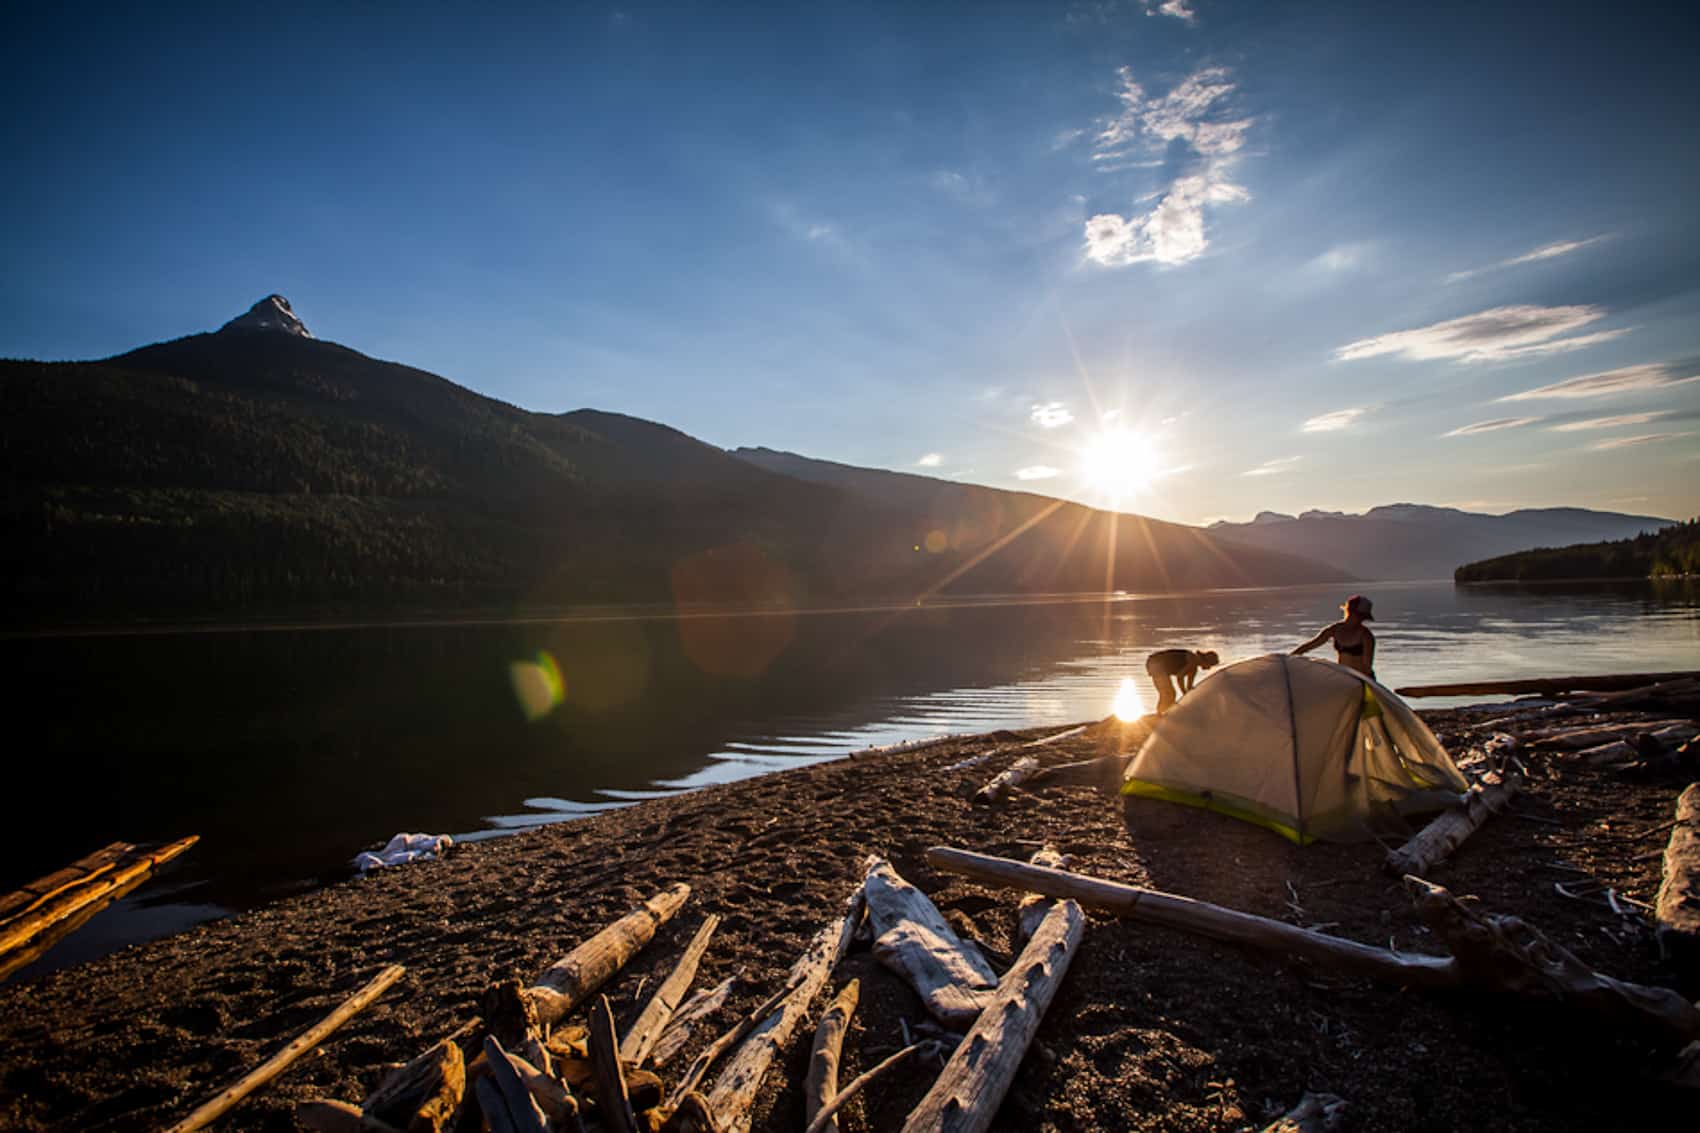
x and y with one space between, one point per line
271 313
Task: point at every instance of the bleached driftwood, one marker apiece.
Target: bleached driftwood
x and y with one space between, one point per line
1067 733
1034 906
635 1047
105 876
1656 695
826 1119
698 1007
1545 686
1618 751
735 1089
1574 739
1436 841
612 1097
1315 1113
915 941
1677 908
1104 773
1496 953
228 1098
571 980
1018 773
553 1098
507 1105
820 1087
423 1095
973 1083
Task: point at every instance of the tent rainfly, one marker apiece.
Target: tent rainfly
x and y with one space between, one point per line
1310 749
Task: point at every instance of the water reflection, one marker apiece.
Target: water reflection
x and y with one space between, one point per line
290 751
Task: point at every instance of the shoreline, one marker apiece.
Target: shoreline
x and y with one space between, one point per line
1152 1029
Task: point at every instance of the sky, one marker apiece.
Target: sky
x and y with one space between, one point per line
1190 258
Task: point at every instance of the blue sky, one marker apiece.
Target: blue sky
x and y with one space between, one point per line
1291 255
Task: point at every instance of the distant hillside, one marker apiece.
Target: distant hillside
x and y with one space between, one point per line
1673 552
1412 541
259 469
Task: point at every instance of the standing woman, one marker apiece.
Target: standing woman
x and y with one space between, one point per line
1354 644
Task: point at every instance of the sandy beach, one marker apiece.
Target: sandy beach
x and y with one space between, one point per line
1152 1029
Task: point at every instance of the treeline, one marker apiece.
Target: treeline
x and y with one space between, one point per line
1671 553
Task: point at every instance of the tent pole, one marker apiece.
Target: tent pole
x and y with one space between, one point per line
1293 729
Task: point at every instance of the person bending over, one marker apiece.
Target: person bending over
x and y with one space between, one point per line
1168 668
1354 644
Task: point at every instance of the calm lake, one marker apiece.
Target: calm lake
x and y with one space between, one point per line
289 750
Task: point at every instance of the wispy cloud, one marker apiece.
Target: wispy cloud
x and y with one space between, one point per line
1147 131
1544 252
931 460
1341 257
1273 467
1036 472
1627 379
1626 442
1496 335
1335 421
1051 415
1616 422
1180 9
1491 426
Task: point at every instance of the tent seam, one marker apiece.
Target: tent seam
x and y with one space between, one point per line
1293 730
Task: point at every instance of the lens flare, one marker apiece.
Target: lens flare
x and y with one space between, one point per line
1129 704
1120 463
538 685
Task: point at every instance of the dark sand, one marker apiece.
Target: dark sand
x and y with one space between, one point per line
1152 1029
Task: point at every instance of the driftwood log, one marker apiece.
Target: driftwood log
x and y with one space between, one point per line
1574 739
694 1010
914 940
325 1115
821 1085
1006 781
1497 953
1315 1113
972 1085
229 1097
735 1090
612 1097
1104 773
1546 686
635 1047
424 1095
571 980
96 880
1030 914
507 1105
1677 908
1435 842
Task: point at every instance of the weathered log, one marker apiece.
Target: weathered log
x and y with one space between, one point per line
571 980
1436 841
735 1090
821 1084
611 1096
1574 739
1034 906
972 1085
699 1006
1615 752
103 885
554 1099
422 1096
508 1106
1214 921
1546 686
1315 1113
915 941
301 1044
1507 954
1067 733
1677 907
1017 773
79 872
826 1119
1104 773
652 1020
326 1115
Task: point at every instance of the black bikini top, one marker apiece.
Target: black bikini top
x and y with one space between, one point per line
1351 650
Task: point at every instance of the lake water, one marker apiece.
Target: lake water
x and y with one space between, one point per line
289 750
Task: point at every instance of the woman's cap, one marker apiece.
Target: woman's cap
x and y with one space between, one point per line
1358 604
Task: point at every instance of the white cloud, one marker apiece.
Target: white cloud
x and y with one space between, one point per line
1628 379
1610 422
931 460
1496 335
1625 442
1066 138
1544 252
1337 420
1051 415
1036 472
1180 9
1143 134
1273 467
1491 426
1341 257
818 231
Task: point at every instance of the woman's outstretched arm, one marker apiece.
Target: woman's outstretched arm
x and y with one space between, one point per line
1326 634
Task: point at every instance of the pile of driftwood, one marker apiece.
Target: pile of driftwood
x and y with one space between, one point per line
42 913
549 1055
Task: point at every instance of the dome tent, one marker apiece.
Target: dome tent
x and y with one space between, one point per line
1310 749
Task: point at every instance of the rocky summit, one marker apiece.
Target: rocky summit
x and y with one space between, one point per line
271 313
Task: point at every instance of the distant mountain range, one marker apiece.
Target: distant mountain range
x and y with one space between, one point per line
259 469
1414 541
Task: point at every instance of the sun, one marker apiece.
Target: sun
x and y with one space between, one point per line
1120 463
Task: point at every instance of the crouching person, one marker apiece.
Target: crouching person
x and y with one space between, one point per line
1174 671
